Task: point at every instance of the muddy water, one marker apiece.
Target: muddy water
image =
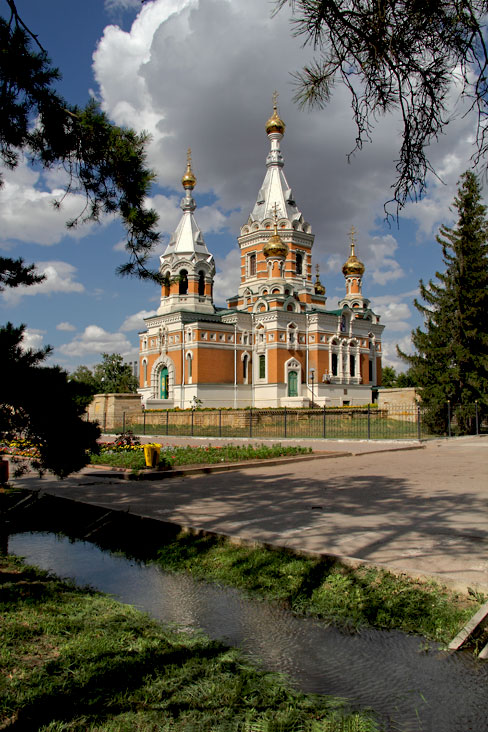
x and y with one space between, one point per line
412 685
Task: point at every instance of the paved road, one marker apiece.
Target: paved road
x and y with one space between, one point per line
423 511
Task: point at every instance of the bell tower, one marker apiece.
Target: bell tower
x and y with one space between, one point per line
187 267
276 242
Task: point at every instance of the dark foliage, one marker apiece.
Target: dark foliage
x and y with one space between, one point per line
451 363
13 273
111 376
39 404
391 379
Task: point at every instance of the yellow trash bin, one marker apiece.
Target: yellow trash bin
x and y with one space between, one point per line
151 455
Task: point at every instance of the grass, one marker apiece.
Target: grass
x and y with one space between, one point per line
324 589
74 659
172 456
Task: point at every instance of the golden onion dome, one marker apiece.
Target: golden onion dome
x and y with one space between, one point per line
275 246
189 180
275 123
353 266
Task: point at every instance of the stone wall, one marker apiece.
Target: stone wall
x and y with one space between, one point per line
108 409
399 403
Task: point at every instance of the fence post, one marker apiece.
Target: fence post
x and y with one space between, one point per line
250 421
477 423
285 421
220 423
167 422
369 422
324 431
144 422
419 430
449 417
123 421
192 413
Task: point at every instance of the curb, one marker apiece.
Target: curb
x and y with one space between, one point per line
128 474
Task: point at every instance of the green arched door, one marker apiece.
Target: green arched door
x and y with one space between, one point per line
292 384
163 383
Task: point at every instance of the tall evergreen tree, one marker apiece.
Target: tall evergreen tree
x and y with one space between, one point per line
451 363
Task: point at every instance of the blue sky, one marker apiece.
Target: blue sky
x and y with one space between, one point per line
200 74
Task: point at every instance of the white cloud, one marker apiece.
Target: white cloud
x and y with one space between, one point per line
122 4
27 212
395 310
378 255
65 326
60 277
33 338
227 279
120 246
96 340
136 321
390 356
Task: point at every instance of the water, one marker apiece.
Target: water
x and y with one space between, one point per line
412 688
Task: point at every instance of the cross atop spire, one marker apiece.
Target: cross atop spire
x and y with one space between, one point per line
352 234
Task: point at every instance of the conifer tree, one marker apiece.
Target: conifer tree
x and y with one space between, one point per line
451 363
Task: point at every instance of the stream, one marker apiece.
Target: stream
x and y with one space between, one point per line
411 684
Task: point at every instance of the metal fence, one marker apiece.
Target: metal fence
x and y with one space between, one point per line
393 422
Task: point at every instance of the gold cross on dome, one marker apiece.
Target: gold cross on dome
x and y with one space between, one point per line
352 234
275 100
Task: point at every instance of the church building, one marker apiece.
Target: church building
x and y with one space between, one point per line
277 344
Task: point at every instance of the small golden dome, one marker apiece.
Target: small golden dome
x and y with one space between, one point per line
275 247
275 123
189 180
318 286
353 266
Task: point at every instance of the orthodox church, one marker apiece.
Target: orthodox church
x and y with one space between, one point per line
277 344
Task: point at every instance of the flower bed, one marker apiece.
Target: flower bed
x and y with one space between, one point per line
132 456
20 448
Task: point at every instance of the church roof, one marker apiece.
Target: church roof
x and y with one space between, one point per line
275 191
187 238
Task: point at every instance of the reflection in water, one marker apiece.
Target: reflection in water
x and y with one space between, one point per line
387 671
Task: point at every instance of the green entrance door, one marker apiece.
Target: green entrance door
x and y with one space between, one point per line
292 384
163 384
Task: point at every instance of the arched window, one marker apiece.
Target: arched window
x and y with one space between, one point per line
183 288
144 372
201 283
352 365
245 364
299 263
262 367
166 283
252 265
334 364
164 383
189 359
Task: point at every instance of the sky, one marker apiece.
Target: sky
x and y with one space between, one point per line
201 74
